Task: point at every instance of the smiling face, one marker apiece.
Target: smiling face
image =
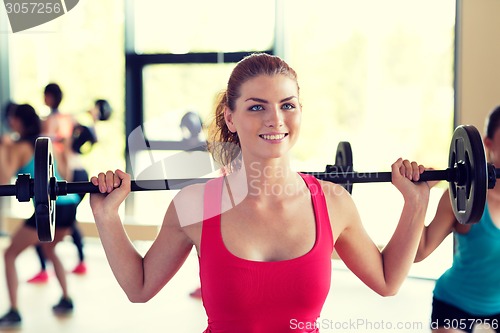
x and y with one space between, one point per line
266 117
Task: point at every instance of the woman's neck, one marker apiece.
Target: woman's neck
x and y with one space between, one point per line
270 178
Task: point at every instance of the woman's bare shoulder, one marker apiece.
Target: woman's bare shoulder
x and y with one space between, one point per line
334 192
191 192
341 207
22 152
189 204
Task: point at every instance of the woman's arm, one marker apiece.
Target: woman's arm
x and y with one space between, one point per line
61 161
12 157
383 271
4 158
438 229
140 277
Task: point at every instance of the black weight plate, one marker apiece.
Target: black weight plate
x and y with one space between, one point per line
343 161
343 157
468 190
45 212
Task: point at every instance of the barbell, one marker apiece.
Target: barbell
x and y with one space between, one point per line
468 174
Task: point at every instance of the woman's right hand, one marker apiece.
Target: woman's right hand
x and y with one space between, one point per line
114 187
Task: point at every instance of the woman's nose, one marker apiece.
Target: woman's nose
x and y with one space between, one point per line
274 117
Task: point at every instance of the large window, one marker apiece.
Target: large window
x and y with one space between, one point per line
192 26
179 56
171 90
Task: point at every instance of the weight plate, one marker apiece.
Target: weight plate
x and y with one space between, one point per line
343 161
45 212
468 189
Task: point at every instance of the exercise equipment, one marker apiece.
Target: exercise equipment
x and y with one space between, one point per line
468 174
343 163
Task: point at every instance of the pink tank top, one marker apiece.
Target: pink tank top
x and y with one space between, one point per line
247 296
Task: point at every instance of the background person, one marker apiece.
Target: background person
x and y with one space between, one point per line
71 167
468 292
18 158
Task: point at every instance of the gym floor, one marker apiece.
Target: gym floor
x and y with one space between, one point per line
101 306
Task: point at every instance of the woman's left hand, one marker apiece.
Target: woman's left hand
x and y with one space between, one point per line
406 176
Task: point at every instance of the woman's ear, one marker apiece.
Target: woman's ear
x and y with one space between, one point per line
228 117
489 149
487 143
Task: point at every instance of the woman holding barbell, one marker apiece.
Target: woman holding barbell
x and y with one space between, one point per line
468 293
18 158
264 233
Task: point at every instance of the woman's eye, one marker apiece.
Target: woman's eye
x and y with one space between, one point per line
288 106
256 108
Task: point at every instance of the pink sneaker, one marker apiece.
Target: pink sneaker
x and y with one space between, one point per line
41 277
80 269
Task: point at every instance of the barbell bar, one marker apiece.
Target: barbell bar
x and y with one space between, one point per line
468 174
44 188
